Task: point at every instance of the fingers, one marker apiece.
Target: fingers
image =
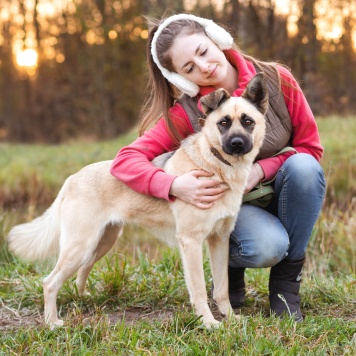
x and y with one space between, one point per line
200 173
201 193
254 178
207 191
213 192
204 205
207 201
207 183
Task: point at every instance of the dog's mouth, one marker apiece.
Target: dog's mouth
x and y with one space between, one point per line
237 145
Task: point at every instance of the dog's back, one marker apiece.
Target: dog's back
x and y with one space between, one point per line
91 197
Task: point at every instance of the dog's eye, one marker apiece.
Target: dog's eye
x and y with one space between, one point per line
225 121
246 120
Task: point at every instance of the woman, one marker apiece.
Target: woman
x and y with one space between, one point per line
193 56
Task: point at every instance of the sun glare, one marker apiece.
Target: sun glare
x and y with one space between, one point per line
27 58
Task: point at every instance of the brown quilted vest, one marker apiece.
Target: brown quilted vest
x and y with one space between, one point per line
278 122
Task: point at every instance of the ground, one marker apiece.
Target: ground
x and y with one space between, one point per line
12 319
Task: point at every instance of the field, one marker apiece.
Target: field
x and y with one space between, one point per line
137 301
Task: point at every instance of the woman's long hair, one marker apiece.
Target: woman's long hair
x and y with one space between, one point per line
160 93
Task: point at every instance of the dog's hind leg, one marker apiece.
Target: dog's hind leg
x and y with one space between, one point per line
219 257
78 243
106 242
68 263
191 249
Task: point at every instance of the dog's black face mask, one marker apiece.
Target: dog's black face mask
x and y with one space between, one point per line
236 141
237 130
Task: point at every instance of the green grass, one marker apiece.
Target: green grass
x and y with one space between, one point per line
138 303
339 161
164 324
33 174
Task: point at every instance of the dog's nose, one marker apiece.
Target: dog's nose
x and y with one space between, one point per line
237 142
237 145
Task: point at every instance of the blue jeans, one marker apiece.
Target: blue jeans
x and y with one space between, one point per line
263 237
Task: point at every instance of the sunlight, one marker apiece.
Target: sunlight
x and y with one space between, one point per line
27 58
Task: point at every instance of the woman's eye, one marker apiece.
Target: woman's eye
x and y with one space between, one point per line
204 52
190 69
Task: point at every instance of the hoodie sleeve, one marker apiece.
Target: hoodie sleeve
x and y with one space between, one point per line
305 135
132 165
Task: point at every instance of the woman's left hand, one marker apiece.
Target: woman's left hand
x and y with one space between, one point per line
256 176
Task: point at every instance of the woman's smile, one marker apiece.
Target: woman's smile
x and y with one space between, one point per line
213 73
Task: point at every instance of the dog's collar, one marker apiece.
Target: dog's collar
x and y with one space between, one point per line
218 155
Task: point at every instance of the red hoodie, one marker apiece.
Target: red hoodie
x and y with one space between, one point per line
132 165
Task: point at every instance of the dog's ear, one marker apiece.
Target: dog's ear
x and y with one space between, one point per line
256 92
213 100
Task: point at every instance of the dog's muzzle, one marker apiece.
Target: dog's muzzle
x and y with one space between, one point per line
237 145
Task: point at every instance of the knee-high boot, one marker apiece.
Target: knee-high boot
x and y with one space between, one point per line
284 285
237 286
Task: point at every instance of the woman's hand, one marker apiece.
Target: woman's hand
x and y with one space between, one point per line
256 176
201 193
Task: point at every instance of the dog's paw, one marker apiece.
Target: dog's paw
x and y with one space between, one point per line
212 324
237 316
56 324
84 293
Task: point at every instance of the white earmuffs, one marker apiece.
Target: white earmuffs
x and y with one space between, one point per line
216 33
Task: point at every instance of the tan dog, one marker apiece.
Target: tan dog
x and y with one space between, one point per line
91 208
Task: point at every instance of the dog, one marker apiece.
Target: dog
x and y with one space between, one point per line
92 207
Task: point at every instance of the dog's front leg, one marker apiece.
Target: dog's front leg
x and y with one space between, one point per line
191 249
219 257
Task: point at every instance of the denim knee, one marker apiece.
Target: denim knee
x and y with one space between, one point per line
299 195
306 172
258 240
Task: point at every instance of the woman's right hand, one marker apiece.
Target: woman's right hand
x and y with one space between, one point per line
201 193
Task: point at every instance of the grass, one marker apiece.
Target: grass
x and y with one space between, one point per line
33 174
163 323
155 292
339 161
138 303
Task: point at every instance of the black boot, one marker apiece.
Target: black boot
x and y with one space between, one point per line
237 286
284 285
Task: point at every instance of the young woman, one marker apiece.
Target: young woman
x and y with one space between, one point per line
188 57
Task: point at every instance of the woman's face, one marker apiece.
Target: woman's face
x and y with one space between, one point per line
197 58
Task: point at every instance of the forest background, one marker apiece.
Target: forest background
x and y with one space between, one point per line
77 69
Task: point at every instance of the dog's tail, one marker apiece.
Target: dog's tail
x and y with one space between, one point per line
39 239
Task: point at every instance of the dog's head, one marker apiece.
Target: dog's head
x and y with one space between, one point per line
237 124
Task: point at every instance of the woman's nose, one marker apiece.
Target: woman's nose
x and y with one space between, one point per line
203 66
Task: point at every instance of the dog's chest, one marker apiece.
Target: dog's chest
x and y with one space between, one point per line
228 205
